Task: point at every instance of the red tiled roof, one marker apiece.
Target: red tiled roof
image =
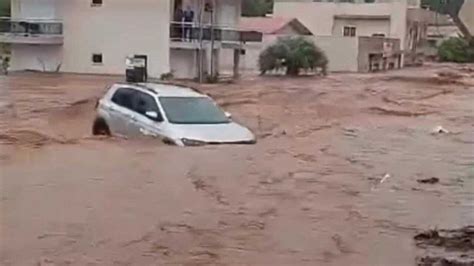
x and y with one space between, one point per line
264 25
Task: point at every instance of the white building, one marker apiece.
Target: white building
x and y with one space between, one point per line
96 36
400 22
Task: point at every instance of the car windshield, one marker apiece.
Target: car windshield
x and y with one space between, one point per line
192 110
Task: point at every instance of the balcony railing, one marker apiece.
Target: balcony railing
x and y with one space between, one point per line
191 32
30 31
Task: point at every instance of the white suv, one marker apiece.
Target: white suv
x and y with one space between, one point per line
177 115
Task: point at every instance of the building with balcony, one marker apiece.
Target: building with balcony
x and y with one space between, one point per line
96 36
340 20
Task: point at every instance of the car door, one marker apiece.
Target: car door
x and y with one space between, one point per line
121 111
143 123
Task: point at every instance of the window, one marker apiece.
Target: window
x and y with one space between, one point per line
192 110
349 31
97 58
96 3
145 103
124 97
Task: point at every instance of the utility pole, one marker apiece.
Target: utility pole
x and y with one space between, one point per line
212 38
201 40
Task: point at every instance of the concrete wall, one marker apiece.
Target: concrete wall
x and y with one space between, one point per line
45 9
36 57
342 52
319 16
228 12
117 29
364 27
184 63
467 15
375 45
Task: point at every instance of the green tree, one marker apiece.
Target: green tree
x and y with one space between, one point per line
294 54
256 8
456 50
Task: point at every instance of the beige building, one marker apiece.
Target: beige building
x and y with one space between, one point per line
400 24
96 36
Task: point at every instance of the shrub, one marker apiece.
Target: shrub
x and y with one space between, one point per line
293 54
456 50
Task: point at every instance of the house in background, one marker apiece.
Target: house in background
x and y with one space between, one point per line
96 36
361 35
272 28
440 29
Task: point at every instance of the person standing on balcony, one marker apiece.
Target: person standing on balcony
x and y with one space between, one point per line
178 29
188 18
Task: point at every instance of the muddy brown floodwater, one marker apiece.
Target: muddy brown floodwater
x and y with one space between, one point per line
333 180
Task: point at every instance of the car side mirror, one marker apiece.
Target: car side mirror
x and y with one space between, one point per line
228 115
153 116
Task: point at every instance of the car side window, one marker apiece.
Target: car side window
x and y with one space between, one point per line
145 103
124 97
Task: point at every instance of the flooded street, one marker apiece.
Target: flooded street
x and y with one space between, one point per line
347 170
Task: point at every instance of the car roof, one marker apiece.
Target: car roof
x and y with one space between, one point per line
167 90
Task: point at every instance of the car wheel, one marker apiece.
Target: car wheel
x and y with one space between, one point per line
100 127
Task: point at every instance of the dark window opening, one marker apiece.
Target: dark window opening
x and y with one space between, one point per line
96 2
97 58
349 31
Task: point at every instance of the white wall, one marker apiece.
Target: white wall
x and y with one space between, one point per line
117 29
342 52
228 12
183 63
363 27
44 9
36 57
467 15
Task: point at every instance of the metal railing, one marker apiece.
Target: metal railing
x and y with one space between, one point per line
27 27
191 32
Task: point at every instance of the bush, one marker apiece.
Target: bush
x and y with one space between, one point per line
293 54
456 50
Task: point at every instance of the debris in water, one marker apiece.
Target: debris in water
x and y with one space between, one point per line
453 240
440 261
432 180
379 181
387 176
446 247
385 111
440 130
